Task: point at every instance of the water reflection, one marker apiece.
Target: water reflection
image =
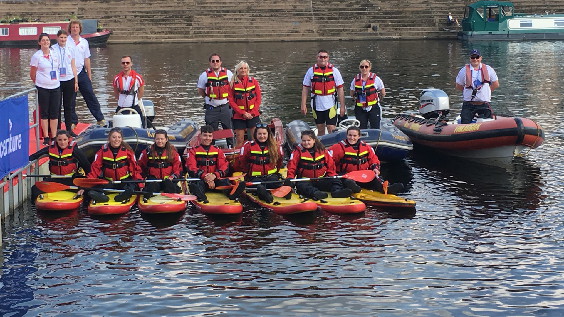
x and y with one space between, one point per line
478 232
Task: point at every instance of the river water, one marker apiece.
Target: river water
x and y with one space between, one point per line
484 240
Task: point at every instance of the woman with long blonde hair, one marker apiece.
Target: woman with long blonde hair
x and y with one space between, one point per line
245 100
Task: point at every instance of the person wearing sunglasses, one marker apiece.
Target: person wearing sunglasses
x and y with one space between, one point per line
245 99
322 84
129 87
213 86
261 160
366 90
477 81
84 70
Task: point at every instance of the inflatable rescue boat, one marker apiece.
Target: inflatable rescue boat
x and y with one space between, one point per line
484 138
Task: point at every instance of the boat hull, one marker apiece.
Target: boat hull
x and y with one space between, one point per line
377 199
503 137
58 201
283 206
111 207
389 143
218 204
161 205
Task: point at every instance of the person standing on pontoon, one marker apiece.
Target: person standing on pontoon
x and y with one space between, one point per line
129 87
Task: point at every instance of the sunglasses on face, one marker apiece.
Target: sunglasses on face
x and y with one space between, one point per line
364 66
323 56
125 63
474 57
215 61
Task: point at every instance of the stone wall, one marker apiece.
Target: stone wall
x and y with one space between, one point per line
136 21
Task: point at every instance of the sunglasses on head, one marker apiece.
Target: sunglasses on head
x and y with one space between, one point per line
474 56
262 125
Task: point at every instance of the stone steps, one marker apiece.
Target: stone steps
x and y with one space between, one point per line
228 20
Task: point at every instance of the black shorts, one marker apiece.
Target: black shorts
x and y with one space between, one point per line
327 117
241 124
49 101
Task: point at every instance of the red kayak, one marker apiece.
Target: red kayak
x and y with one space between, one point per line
218 204
57 201
283 206
111 207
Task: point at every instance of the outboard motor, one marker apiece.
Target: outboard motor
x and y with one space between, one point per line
433 103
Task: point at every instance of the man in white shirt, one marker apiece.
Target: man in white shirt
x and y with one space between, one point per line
322 83
476 81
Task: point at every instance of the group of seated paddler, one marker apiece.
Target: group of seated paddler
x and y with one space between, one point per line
260 160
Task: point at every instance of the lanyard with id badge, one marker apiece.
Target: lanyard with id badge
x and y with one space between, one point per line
53 72
62 69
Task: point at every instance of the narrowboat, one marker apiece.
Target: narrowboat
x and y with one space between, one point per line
25 34
497 20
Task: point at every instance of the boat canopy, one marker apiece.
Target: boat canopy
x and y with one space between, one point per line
487 15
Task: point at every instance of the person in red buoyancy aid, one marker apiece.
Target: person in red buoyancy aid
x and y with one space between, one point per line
322 84
353 154
129 88
160 161
262 160
213 86
366 89
310 159
208 163
245 99
477 81
65 160
115 161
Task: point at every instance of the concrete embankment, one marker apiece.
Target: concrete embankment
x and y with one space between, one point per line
233 20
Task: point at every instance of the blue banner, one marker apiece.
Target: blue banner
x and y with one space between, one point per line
14 134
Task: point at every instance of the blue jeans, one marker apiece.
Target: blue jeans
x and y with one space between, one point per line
85 88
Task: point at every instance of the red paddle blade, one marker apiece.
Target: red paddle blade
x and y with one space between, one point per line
51 187
361 176
89 182
281 191
180 196
234 189
385 187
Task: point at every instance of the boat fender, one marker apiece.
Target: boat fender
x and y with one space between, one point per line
520 130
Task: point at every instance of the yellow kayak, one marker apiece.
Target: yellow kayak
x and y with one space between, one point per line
374 198
61 200
345 205
161 205
111 207
218 204
283 206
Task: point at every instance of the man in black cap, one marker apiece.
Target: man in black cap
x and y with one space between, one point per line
476 81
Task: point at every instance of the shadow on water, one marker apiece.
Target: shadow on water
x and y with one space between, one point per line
485 190
164 220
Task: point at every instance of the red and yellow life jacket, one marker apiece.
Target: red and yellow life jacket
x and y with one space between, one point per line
116 167
311 166
244 95
354 159
206 161
62 162
159 166
483 71
323 82
259 160
217 86
369 90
